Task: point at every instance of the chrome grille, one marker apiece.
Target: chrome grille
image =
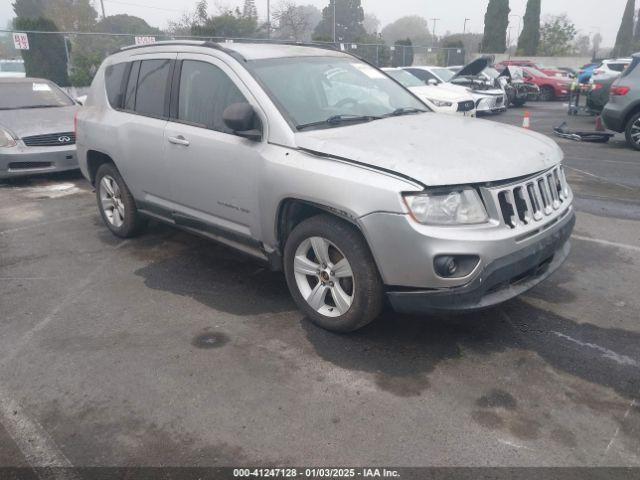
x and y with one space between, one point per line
50 140
534 199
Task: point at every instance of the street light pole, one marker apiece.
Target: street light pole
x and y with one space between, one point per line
102 5
464 30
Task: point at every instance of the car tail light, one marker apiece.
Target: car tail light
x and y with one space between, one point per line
597 86
619 91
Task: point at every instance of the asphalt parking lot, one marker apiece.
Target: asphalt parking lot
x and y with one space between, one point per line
170 350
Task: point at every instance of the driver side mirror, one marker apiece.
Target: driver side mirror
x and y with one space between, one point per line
432 81
241 118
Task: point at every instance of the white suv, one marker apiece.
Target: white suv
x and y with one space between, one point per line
324 167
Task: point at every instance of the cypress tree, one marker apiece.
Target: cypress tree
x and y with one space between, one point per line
624 40
496 21
46 57
530 36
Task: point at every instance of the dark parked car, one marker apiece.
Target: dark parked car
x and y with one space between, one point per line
622 112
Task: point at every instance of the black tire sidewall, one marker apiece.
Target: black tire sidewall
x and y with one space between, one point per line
627 132
132 222
547 94
368 289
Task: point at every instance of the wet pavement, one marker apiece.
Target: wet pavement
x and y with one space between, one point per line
170 350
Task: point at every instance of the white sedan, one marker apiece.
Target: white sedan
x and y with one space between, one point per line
437 99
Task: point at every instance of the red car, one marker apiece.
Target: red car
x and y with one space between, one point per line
551 88
552 72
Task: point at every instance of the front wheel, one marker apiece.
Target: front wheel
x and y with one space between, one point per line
632 132
331 274
547 94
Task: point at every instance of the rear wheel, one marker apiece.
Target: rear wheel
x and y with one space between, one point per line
331 274
547 94
116 204
632 132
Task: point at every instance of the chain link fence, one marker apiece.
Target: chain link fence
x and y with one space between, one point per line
82 52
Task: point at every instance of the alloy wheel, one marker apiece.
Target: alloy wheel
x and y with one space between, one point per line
324 277
111 201
635 132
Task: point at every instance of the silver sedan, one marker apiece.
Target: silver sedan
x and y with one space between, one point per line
36 128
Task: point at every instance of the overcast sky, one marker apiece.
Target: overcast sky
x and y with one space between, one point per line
590 16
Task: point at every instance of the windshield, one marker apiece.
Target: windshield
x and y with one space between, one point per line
405 78
534 72
12 67
444 74
35 94
310 90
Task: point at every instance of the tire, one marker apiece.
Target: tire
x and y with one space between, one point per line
518 103
358 298
633 129
116 204
547 94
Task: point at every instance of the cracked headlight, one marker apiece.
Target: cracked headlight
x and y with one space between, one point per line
6 139
455 207
440 103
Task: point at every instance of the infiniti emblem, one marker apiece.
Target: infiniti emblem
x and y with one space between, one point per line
64 139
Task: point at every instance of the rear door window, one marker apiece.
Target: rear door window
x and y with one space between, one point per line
153 83
130 92
617 67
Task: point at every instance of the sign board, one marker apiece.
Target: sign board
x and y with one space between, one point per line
354 46
21 41
393 49
459 51
145 40
342 47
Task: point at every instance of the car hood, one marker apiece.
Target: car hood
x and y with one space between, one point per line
438 150
474 68
438 93
38 121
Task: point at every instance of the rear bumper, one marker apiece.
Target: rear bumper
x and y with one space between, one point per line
20 160
613 117
501 280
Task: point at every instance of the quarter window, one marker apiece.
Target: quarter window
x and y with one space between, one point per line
205 92
113 77
152 87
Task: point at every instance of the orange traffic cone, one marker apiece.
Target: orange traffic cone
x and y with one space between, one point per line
526 122
599 125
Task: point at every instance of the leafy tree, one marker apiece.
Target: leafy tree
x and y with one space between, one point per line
371 24
29 8
295 22
403 53
89 51
582 45
349 19
556 36
636 33
496 21
530 36
414 27
597 41
249 9
46 57
454 50
71 15
624 40
231 23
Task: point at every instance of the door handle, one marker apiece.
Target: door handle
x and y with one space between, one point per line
179 140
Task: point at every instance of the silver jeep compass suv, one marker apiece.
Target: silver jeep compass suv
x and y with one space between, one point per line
326 168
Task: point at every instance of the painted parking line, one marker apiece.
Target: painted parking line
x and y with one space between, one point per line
607 243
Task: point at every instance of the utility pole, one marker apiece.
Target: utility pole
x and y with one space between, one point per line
334 21
102 5
435 20
464 30
268 18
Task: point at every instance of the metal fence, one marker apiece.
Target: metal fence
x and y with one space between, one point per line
84 51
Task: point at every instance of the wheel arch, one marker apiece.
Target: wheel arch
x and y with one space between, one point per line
632 110
95 159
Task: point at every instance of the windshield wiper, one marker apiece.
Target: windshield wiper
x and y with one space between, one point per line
405 111
339 119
